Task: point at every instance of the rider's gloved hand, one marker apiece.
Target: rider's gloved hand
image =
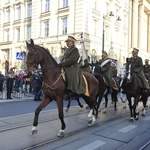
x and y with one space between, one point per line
60 64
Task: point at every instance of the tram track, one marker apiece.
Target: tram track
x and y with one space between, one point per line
123 118
72 113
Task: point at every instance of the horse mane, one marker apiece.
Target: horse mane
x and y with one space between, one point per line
48 52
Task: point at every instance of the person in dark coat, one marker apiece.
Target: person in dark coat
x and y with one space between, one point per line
105 65
138 68
75 81
2 79
9 82
38 86
146 70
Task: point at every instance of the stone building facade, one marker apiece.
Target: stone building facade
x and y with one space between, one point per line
49 22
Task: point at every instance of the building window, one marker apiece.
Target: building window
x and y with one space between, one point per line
96 6
18 34
7 1
64 25
29 32
29 10
18 15
6 38
7 16
65 3
46 29
47 5
95 27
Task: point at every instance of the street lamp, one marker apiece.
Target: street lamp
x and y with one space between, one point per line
103 37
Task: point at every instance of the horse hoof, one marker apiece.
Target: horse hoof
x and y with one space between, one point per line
136 118
115 109
81 106
124 107
34 131
67 109
61 133
131 120
104 111
87 107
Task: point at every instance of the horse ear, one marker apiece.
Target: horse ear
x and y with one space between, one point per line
32 42
27 43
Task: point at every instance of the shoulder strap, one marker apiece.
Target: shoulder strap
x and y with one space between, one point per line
105 62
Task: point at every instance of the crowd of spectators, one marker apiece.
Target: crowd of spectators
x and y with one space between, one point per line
19 81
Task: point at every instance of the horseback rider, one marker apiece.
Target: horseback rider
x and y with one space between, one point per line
74 78
105 65
138 69
146 70
84 66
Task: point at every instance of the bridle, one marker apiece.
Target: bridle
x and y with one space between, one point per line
35 66
35 62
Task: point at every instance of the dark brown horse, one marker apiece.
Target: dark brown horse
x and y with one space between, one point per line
103 88
54 86
133 90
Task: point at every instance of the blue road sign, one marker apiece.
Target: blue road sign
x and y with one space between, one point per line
19 55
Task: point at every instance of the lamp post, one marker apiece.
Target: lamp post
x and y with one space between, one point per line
103 36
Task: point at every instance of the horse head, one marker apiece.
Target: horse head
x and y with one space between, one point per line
32 57
130 73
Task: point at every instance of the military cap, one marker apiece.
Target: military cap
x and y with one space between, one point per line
104 53
146 60
70 38
136 49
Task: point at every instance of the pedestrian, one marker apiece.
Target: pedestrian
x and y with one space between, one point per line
138 69
9 82
74 78
38 86
2 79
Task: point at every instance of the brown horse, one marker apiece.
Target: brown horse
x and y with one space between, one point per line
54 86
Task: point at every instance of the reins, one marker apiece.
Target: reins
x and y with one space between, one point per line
50 86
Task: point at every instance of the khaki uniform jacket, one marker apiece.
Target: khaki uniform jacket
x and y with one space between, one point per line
105 69
84 67
138 68
146 70
75 81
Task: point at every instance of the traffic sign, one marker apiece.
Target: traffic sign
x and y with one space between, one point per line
19 55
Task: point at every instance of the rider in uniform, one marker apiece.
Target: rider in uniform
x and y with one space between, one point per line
105 65
74 78
138 68
146 70
84 64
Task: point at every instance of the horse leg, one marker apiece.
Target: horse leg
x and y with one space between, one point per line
79 102
135 108
106 102
91 102
114 93
59 102
98 103
144 101
130 107
68 105
42 105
